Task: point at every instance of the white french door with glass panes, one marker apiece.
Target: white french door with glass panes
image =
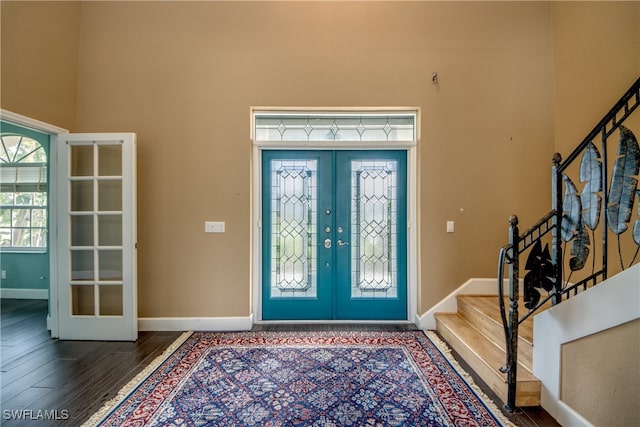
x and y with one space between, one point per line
97 237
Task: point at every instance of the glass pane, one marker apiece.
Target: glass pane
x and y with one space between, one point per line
21 238
82 160
38 218
110 265
81 196
5 237
294 134
10 143
374 135
82 300
37 156
24 199
110 230
5 217
110 195
268 135
6 199
110 160
294 207
110 300
82 230
38 237
374 229
82 265
21 217
40 199
26 149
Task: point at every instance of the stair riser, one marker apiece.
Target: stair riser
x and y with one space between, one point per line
494 331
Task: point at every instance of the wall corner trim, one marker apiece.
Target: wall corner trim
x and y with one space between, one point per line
195 323
19 119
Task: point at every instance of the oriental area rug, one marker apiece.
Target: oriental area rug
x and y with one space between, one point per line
302 379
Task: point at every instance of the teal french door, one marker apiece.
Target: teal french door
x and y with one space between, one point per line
334 235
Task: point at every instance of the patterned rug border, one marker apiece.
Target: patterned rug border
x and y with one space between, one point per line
125 391
139 379
488 402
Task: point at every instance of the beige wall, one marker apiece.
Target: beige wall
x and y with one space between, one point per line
596 54
39 64
183 75
600 376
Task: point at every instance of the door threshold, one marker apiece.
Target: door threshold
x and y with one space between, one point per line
333 322
334 325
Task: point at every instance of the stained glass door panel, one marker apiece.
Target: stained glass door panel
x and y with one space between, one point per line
334 235
371 235
296 264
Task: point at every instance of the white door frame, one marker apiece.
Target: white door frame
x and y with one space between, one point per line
53 131
411 147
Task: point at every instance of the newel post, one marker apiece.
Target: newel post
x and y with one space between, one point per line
556 245
514 296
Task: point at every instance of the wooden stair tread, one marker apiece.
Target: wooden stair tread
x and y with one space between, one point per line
491 354
485 358
481 313
490 307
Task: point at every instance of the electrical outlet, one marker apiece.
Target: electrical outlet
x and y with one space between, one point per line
4 274
214 227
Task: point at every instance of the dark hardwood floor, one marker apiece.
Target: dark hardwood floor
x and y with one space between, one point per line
73 379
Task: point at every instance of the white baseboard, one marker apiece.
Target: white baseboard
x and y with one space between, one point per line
449 304
195 323
570 417
16 293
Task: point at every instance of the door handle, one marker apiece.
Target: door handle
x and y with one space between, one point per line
327 243
341 243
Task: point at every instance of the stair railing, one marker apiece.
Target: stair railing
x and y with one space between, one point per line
576 219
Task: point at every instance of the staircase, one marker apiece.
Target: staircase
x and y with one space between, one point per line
476 333
583 217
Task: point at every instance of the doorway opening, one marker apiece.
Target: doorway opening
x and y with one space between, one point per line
335 212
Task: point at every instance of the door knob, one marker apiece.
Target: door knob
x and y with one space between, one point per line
327 243
341 243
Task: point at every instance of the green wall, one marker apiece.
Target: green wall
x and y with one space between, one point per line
25 270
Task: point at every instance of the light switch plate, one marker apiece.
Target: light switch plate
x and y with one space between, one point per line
450 226
214 227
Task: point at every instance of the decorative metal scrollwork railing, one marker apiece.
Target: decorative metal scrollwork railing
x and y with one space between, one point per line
586 219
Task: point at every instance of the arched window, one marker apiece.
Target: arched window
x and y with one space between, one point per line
23 192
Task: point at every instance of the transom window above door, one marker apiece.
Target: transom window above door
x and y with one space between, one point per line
348 126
